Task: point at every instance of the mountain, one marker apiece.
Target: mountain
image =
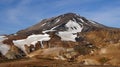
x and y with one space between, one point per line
63 22
68 36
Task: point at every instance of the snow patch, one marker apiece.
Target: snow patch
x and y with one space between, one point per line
52 29
58 20
3 47
74 27
67 36
43 24
81 20
2 38
20 44
48 31
32 39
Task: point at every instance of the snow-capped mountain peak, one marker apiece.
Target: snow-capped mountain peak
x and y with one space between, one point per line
65 22
64 27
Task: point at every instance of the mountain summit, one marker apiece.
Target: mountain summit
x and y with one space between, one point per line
65 22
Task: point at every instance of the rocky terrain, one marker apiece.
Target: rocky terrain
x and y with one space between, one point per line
68 39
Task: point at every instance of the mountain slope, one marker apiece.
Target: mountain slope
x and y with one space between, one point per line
75 34
60 23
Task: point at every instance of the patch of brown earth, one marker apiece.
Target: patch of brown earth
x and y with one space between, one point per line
46 63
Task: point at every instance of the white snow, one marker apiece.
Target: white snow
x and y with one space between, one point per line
48 31
3 47
43 24
20 44
74 19
73 24
2 38
81 20
67 36
15 34
58 20
32 39
52 29
70 34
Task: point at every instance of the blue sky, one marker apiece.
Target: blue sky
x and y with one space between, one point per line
20 14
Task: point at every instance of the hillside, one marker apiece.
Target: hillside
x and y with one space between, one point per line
68 37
